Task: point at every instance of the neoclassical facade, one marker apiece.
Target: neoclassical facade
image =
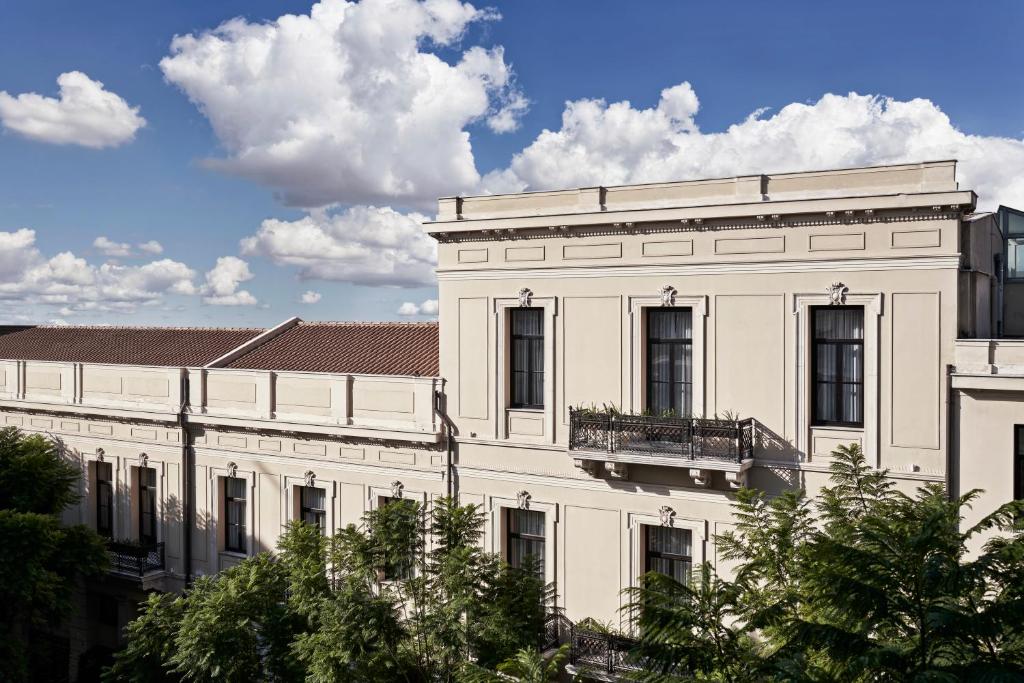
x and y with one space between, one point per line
610 364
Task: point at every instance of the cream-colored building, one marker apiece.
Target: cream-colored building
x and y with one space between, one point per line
609 365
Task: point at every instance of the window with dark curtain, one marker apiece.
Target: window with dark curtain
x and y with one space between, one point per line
668 551
234 514
1018 462
838 365
147 506
525 530
527 357
669 361
104 499
313 506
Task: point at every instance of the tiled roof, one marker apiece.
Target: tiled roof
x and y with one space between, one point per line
358 348
167 346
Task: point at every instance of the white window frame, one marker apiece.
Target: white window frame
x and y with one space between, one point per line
217 543
635 521
802 304
502 386
130 510
498 540
637 380
290 485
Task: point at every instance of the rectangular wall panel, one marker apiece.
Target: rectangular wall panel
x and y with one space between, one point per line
916 239
750 357
852 241
673 248
524 254
916 372
473 373
592 366
591 561
750 245
591 251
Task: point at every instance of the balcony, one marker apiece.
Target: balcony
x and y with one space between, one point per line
701 444
135 560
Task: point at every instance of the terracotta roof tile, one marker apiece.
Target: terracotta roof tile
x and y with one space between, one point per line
358 348
166 346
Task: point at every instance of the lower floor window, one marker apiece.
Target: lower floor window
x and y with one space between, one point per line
525 538
313 506
234 514
668 551
395 568
1018 462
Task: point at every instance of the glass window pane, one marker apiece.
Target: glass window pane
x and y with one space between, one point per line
1015 257
1014 224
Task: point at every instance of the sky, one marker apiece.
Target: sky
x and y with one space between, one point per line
240 162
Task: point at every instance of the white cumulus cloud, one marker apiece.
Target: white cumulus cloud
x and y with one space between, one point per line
112 248
83 114
74 285
364 245
310 297
347 104
151 247
428 307
608 144
223 281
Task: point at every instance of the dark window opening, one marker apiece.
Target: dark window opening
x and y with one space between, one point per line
234 514
1018 462
525 530
313 506
668 551
104 499
669 361
147 506
837 359
526 362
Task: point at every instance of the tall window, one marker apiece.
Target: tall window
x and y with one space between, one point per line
669 360
525 538
234 514
104 499
668 551
838 365
147 506
1018 462
313 506
395 568
1012 224
527 357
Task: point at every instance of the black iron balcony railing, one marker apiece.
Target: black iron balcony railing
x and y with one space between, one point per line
690 438
135 559
590 650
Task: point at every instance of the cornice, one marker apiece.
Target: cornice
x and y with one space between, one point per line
822 212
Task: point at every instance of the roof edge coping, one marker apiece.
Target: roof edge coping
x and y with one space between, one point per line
254 343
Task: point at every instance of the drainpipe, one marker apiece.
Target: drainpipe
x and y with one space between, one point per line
449 442
187 513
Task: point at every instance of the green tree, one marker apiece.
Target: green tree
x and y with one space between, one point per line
370 604
880 587
41 559
525 666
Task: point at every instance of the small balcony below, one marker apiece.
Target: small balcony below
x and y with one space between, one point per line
144 562
702 445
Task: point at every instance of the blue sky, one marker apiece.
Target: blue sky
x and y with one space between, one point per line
953 73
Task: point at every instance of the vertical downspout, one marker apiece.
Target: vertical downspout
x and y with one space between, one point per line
187 513
449 465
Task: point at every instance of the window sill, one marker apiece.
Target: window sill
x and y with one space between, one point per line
533 411
837 428
235 554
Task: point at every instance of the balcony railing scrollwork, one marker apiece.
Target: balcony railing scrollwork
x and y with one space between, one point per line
686 438
135 559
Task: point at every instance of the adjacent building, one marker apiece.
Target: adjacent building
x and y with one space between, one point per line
610 364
